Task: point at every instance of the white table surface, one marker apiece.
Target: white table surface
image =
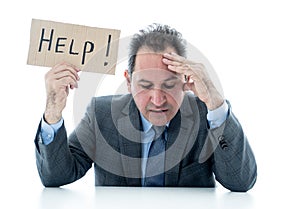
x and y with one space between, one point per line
125 197
89 197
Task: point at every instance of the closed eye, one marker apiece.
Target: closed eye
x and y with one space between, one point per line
168 86
146 86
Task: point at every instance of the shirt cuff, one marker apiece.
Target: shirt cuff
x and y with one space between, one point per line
218 116
48 131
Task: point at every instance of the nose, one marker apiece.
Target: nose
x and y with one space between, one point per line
158 97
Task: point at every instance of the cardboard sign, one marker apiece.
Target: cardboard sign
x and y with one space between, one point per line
89 48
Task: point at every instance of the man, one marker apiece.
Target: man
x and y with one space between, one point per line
199 139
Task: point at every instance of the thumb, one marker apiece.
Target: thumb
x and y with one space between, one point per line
189 86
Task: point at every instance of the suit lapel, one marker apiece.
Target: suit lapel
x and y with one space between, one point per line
129 127
182 134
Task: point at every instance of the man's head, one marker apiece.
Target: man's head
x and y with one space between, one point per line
157 92
157 38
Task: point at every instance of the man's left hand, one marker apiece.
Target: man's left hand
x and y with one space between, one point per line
198 79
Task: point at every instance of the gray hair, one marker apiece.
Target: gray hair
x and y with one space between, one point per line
156 37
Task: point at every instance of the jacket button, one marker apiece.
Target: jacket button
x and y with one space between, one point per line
220 138
222 142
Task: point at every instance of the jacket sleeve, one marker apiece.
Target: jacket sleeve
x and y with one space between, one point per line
63 161
234 163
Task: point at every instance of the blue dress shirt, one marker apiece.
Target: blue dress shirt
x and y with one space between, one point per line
147 137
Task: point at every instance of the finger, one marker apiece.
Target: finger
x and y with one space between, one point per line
171 62
64 73
181 69
70 70
189 86
175 57
66 67
64 78
66 82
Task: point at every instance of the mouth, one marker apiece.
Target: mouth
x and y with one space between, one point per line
158 115
159 110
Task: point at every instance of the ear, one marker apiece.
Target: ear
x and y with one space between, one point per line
187 83
187 78
128 80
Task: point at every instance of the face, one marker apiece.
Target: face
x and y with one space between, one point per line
157 92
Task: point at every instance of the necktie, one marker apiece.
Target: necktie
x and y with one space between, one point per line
156 157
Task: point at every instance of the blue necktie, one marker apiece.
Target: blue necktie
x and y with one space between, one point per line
155 164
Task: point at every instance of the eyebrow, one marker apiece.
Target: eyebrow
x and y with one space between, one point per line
172 78
166 80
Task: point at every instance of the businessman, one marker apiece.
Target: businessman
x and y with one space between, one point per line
173 128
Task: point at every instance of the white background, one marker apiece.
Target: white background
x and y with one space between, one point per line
254 47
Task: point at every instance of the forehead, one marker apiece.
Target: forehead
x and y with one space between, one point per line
148 59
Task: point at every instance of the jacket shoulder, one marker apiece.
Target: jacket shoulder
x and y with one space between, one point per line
107 102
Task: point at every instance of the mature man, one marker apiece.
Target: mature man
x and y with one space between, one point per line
160 134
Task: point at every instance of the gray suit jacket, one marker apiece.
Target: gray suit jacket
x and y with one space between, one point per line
109 136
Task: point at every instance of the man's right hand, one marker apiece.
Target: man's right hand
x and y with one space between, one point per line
58 81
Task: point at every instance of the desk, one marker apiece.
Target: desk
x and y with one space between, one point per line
125 197
90 197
